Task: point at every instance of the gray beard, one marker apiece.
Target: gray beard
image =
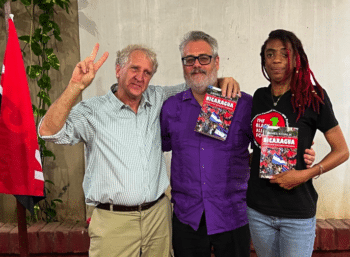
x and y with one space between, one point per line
201 86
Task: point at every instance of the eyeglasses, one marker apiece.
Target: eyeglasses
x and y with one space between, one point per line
203 59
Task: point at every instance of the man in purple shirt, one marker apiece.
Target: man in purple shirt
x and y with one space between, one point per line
208 176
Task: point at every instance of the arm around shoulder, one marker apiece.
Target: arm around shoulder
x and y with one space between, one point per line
173 90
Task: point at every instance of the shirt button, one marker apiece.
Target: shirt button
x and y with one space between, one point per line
202 148
204 183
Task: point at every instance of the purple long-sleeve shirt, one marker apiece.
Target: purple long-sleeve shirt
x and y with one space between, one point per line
207 174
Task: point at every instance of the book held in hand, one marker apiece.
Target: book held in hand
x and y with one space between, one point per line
216 114
278 150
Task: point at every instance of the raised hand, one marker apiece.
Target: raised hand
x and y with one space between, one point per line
84 72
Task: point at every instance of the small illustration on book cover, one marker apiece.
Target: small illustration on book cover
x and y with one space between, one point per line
216 114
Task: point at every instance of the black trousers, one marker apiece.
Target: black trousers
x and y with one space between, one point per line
188 242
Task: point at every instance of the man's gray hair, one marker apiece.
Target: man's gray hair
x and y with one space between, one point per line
124 54
197 36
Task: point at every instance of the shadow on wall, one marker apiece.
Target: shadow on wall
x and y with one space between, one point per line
84 21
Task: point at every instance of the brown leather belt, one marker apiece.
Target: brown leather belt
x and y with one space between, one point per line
115 207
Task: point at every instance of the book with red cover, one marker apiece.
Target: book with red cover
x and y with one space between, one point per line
216 114
278 150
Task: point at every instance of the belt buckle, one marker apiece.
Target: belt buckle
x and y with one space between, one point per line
139 208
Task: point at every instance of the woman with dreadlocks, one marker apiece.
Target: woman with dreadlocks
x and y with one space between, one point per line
282 209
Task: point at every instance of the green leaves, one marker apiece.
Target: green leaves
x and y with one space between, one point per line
64 4
52 58
2 2
36 48
25 38
44 19
44 82
42 59
49 181
44 151
37 35
53 202
48 153
41 37
56 31
38 112
41 142
50 214
45 97
46 65
45 39
26 2
34 71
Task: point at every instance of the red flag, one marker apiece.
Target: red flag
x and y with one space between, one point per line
20 163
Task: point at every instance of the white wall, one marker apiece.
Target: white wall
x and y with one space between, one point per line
240 26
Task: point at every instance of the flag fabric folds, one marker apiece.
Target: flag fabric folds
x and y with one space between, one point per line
215 118
276 159
20 163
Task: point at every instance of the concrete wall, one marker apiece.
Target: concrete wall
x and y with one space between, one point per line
68 169
240 26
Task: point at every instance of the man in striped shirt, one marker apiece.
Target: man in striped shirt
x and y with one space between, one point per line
125 176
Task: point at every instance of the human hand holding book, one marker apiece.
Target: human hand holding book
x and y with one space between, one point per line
216 114
290 179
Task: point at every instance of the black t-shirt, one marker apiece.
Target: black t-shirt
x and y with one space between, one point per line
270 199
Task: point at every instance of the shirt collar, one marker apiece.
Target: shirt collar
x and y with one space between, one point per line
188 96
144 100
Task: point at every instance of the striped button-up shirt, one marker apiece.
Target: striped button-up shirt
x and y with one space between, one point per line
124 160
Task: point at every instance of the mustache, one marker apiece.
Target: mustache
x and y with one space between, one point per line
198 70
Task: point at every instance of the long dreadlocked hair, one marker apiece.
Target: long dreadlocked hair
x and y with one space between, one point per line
304 93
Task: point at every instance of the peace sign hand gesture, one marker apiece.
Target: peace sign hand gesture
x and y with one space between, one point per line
84 72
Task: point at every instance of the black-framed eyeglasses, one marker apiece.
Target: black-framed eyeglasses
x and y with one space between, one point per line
203 59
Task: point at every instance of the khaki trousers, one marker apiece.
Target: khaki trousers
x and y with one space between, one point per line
127 234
